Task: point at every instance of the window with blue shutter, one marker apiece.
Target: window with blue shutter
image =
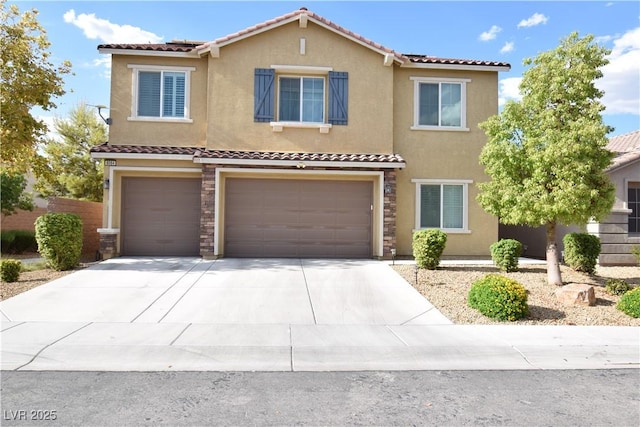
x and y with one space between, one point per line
338 97
263 94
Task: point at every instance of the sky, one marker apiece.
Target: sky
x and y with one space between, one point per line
508 31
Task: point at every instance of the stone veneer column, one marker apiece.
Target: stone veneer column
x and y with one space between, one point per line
207 211
108 245
389 219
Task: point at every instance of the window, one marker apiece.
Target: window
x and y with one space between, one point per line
439 103
160 93
301 99
633 203
308 99
441 204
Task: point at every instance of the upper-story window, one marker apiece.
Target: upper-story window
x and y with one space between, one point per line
299 96
440 103
160 93
301 99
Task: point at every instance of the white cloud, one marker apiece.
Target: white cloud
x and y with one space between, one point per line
620 81
508 47
105 62
533 20
508 90
107 32
491 34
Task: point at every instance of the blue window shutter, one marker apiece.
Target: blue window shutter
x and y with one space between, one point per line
263 94
338 97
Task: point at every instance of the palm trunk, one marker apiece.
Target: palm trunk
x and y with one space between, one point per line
553 263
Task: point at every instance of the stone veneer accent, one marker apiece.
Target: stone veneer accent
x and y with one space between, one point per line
207 208
207 211
108 245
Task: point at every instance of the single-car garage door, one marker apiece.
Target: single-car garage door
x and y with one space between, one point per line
298 218
160 216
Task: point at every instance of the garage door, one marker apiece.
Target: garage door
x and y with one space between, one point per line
160 216
298 218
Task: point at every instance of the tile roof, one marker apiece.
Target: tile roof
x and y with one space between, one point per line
201 47
202 153
143 149
300 157
425 59
626 147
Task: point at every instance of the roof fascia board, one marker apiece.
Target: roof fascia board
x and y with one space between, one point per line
622 165
141 156
456 67
156 53
301 163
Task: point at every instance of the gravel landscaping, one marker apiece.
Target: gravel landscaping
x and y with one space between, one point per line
447 288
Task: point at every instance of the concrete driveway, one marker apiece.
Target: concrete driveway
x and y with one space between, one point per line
146 314
227 291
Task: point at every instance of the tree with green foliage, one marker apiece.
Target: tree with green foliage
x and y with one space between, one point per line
70 170
28 79
12 193
546 154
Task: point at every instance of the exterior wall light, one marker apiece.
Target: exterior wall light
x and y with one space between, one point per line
106 184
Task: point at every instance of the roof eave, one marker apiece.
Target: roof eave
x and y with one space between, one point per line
301 163
464 67
622 165
156 53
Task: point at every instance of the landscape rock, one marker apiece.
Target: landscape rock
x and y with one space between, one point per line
576 294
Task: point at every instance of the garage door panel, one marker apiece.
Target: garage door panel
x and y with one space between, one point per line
161 216
298 218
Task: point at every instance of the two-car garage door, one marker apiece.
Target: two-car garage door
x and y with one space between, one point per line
298 218
262 217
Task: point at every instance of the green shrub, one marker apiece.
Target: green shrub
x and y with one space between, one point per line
581 251
59 237
505 254
616 286
498 297
428 246
635 250
6 240
630 303
10 270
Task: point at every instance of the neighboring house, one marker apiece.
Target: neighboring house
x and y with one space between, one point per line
621 230
293 138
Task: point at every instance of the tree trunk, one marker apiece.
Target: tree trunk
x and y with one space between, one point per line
553 261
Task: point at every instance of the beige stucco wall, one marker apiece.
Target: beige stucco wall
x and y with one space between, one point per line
124 131
447 155
231 101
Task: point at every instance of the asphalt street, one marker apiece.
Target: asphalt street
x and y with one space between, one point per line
444 398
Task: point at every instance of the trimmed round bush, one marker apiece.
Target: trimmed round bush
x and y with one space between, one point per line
499 298
505 254
59 237
581 251
616 287
428 246
10 270
630 303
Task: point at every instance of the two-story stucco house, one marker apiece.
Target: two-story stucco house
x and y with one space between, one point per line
293 138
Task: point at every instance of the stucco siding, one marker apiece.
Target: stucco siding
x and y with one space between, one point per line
231 100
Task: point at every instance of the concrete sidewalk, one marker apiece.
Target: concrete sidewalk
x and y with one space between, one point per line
141 314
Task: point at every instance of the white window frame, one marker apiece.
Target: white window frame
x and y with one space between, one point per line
300 71
439 80
136 69
302 77
465 203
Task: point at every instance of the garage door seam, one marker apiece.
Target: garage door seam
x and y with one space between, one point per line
313 313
